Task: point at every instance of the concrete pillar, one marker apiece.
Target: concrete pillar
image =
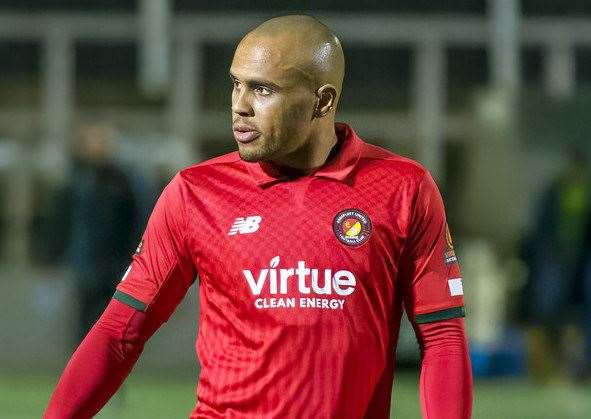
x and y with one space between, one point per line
185 107
504 43
57 98
495 192
559 69
154 46
18 206
430 105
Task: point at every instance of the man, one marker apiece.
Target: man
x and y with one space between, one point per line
583 375
97 213
307 242
556 272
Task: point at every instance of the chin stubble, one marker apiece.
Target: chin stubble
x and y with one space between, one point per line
254 154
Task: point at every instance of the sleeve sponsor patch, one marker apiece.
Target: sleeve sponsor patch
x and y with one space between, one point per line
455 287
450 254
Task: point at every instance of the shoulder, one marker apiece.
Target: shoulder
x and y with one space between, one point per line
188 178
391 165
229 162
225 160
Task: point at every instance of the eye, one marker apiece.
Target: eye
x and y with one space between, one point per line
262 90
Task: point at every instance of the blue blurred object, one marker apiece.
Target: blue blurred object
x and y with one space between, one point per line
506 358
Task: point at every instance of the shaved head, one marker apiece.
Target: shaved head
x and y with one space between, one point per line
287 75
304 43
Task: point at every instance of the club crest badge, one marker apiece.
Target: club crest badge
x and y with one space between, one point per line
450 254
352 227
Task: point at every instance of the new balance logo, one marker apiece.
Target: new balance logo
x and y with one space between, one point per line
245 225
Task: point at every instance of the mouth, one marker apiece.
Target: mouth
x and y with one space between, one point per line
245 134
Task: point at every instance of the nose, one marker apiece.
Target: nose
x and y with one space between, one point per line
241 103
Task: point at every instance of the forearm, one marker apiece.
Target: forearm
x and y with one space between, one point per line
100 364
446 376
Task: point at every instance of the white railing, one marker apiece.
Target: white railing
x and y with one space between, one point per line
428 36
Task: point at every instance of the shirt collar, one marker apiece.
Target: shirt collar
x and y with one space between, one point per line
338 167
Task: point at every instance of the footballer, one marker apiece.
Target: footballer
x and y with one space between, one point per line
308 244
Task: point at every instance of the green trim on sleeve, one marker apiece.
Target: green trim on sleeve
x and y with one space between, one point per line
448 313
129 300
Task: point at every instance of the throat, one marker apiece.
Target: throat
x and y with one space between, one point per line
308 158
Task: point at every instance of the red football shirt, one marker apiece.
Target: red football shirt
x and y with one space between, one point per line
302 280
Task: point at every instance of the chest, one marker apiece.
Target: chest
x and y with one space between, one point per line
310 243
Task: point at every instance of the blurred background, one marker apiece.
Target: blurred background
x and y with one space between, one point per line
102 101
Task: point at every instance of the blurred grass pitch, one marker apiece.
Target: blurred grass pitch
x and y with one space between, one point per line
148 396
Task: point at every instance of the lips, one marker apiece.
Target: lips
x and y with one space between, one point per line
245 133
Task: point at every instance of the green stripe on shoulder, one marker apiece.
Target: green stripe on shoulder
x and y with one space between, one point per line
449 313
129 300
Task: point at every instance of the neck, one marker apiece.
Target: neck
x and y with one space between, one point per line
313 154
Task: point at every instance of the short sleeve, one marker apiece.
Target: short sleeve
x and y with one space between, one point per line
430 269
161 270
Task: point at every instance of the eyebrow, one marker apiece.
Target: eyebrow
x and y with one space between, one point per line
257 82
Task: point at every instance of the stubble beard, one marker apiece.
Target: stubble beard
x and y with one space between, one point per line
263 152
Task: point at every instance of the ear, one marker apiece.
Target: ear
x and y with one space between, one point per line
327 99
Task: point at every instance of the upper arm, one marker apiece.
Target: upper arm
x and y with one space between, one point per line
430 270
162 268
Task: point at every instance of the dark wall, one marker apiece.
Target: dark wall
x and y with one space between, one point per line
529 7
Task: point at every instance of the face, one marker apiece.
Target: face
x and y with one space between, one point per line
273 102
96 143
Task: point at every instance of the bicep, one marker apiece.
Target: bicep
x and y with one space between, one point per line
431 274
162 269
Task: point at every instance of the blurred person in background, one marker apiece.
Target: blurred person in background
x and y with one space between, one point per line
583 373
96 212
553 255
364 229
